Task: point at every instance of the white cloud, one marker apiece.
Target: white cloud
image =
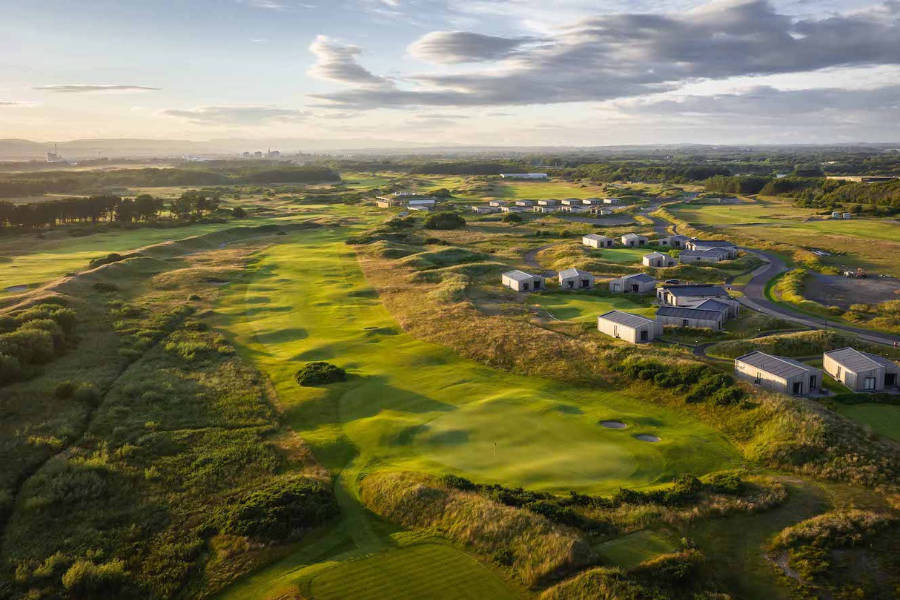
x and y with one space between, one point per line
90 88
247 115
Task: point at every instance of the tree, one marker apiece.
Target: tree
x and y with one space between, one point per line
444 220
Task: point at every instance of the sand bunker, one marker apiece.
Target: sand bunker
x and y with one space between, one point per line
646 437
16 288
613 424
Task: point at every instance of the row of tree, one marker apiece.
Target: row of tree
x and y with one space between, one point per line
812 192
107 207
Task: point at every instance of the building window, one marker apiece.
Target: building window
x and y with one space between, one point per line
869 384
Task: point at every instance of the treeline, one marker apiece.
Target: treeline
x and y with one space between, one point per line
106 207
811 192
68 182
634 172
469 167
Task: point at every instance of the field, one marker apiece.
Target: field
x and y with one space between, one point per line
884 419
585 307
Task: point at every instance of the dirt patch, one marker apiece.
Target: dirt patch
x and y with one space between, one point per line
613 424
836 290
646 437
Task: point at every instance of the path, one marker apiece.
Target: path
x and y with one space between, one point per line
530 259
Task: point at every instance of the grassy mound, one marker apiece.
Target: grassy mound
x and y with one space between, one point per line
804 343
445 257
532 547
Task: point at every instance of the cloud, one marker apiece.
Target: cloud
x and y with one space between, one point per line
9 103
337 62
87 88
463 46
236 115
625 55
771 103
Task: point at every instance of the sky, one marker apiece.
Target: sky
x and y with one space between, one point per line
453 72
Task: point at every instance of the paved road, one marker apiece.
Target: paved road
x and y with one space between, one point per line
755 298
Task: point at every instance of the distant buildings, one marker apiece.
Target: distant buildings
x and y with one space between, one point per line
523 175
633 240
411 200
674 241
658 260
711 255
703 245
693 296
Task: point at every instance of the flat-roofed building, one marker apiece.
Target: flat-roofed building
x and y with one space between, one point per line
633 240
711 255
701 245
637 283
523 175
521 281
778 373
482 209
575 279
658 260
595 240
629 327
860 371
673 241
677 316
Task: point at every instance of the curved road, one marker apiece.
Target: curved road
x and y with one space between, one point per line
755 295
755 298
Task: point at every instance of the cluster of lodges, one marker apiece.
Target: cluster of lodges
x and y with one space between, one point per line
692 250
698 306
569 279
408 200
858 371
597 206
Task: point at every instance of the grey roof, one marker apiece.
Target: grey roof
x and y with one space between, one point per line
696 290
710 304
655 254
688 313
717 252
518 275
776 365
855 360
573 272
643 277
633 236
626 319
596 236
714 243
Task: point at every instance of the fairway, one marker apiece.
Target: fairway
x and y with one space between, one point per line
884 419
427 570
575 306
417 406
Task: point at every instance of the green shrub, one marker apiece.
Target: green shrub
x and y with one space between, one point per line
28 346
65 389
320 373
86 580
444 220
105 288
238 212
10 368
281 511
87 394
457 482
512 218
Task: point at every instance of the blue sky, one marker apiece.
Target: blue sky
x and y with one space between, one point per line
362 72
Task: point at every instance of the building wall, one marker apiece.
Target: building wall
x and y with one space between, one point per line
784 385
576 283
618 286
667 321
855 381
629 334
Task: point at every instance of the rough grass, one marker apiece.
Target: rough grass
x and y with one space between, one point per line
534 548
799 344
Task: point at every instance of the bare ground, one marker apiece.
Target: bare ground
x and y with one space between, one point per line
836 290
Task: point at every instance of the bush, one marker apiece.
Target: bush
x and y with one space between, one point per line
457 482
444 220
512 218
105 288
238 212
85 580
10 368
87 394
65 389
28 346
105 260
319 373
281 511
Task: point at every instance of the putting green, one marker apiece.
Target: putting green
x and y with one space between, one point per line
414 405
621 255
630 550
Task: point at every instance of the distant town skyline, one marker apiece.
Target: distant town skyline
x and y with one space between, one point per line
482 72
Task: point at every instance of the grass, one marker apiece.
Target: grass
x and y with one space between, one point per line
884 419
621 255
422 570
630 550
585 307
416 406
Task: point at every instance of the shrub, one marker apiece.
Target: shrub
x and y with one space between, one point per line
512 218
238 212
726 483
65 389
444 220
87 394
319 373
86 580
105 288
281 511
28 346
105 260
457 482
10 368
